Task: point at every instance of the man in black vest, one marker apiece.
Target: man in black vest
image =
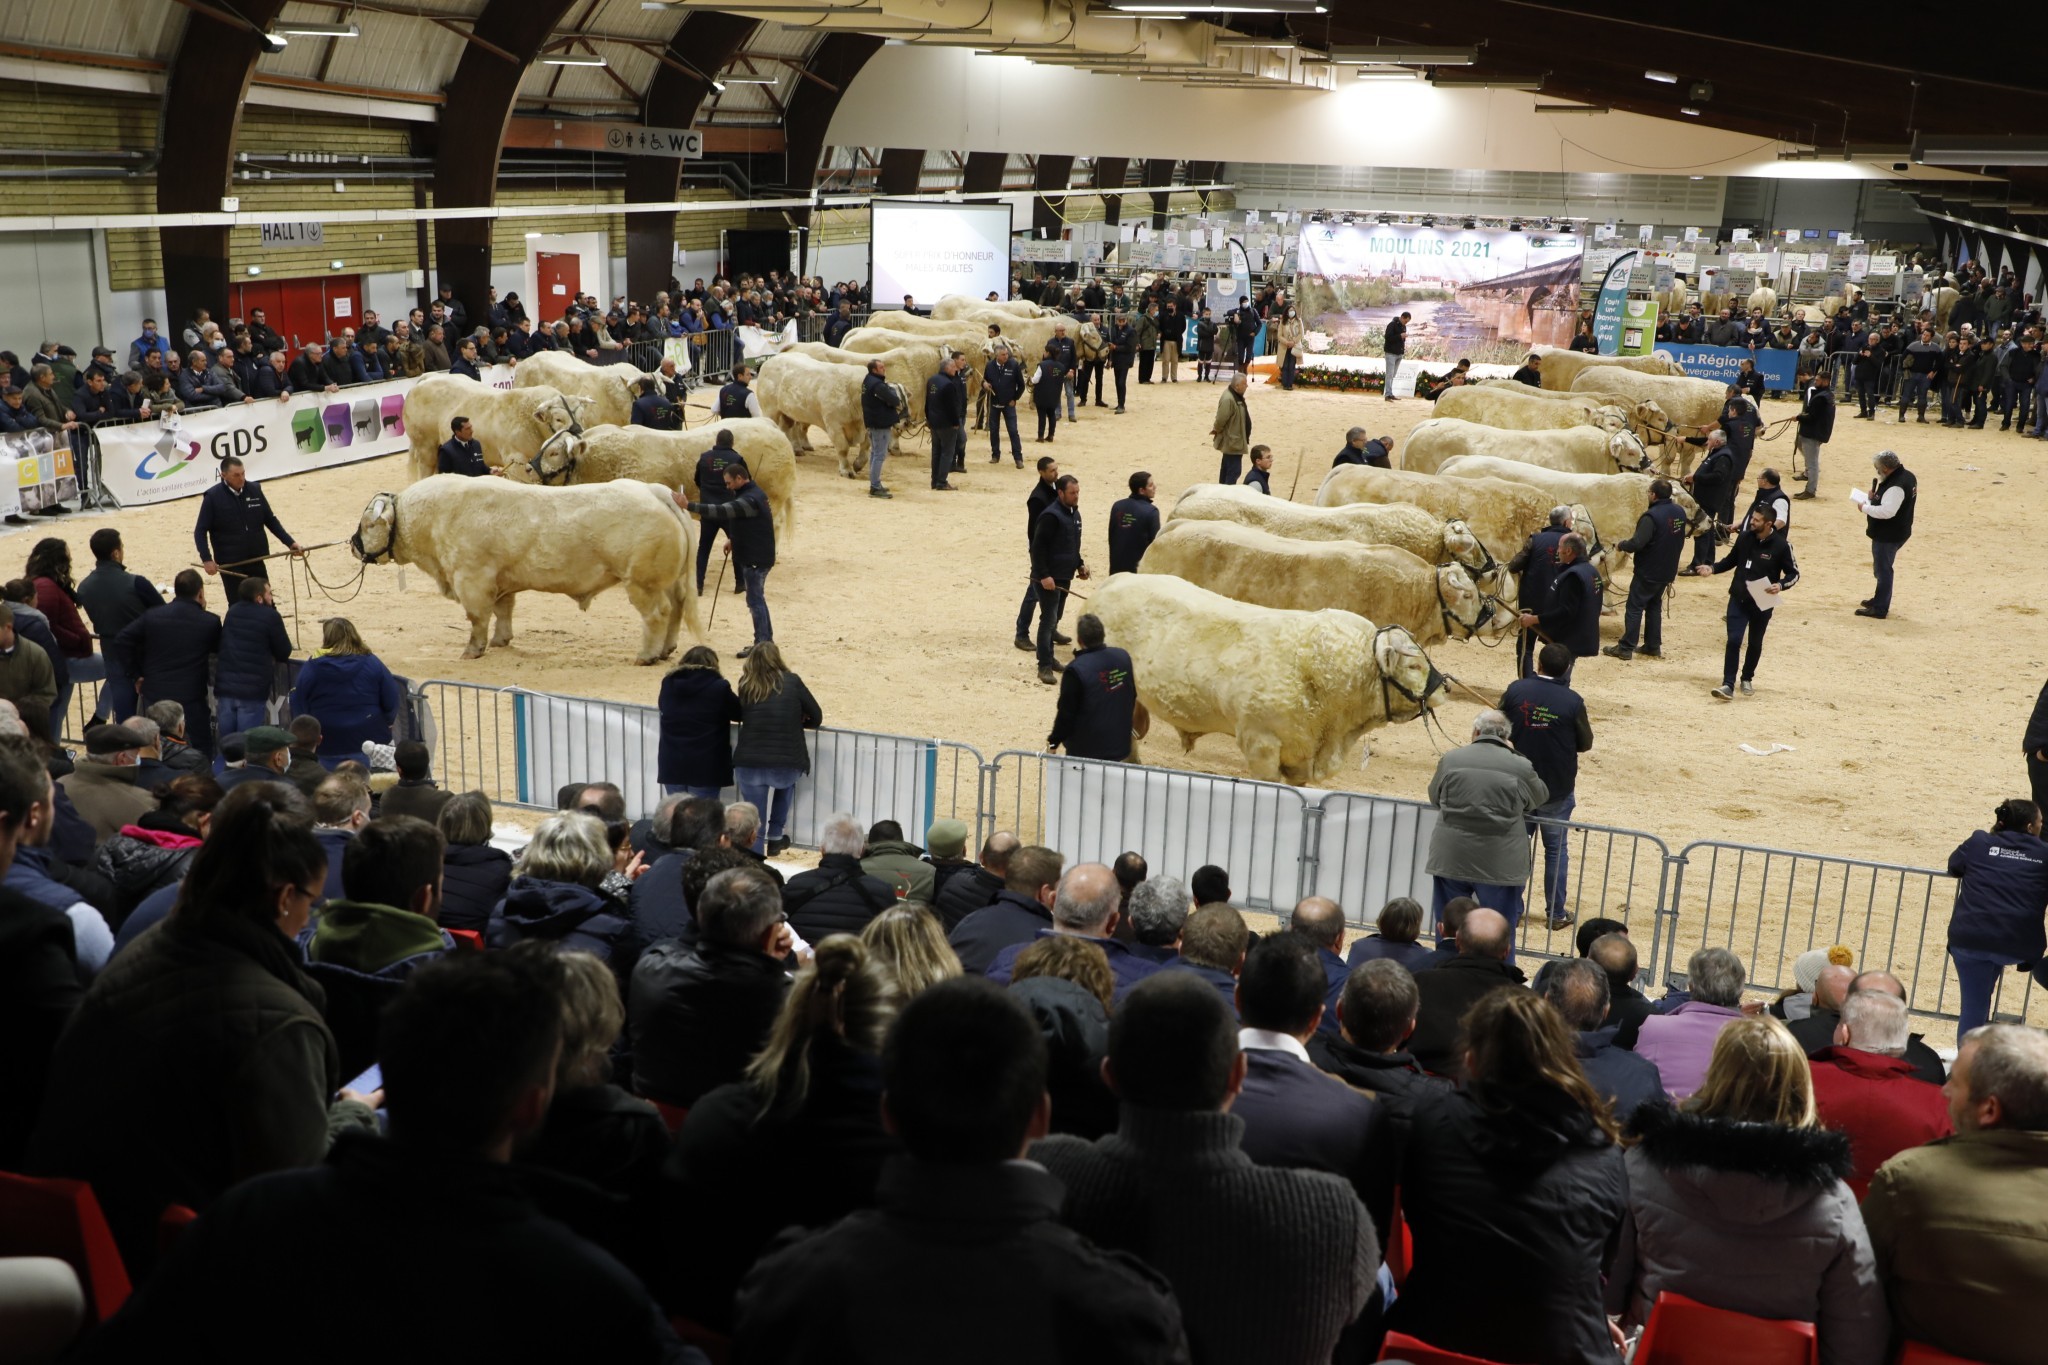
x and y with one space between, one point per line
1888 521
1055 563
1133 525
1550 729
1571 613
945 412
750 530
1098 699
1816 426
736 397
1042 495
1395 347
1658 538
1535 567
1123 349
711 467
651 410
233 515
462 453
1713 487
1760 552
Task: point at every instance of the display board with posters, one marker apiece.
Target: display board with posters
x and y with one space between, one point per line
1638 327
36 471
1467 288
179 456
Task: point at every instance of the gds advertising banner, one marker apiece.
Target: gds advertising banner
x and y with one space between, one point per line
178 456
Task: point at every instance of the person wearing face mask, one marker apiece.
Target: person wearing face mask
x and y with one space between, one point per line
1288 337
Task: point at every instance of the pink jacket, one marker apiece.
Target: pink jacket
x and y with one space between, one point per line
1681 1042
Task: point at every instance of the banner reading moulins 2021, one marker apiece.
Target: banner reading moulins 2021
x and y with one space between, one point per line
178 456
1486 294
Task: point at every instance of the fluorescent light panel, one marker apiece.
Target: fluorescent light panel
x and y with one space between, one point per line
573 61
1404 56
1661 77
309 30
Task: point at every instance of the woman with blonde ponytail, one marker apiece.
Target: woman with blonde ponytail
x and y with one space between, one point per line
799 1142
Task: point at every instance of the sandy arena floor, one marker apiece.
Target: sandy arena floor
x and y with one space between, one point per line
899 615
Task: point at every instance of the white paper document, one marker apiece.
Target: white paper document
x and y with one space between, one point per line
1859 497
1759 589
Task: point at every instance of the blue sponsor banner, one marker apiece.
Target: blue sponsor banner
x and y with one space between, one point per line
1607 305
1723 363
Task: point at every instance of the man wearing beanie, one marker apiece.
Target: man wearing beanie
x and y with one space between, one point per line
266 753
102 785
946 850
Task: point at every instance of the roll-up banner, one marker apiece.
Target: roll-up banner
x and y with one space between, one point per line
1609 306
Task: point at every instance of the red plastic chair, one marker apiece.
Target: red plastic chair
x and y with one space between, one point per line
671 1114
62 1218
1402 1347
1919 1353
171 1225
467 938
1683 1331
1401 1255
718 1348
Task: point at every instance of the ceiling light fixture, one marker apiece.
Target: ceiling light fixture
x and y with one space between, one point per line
1275 44
298 29
1661 77
574 61
1981 150
1251 7
1410 76
746 80
1486 82
1404 56
1573 109
1689 111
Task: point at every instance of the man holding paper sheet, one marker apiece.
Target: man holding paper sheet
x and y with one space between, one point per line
1888 521
1763 558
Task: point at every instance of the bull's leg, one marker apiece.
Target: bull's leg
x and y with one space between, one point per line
501 635
657 619
478 597
1261 754
1329 757
686 611
1187 739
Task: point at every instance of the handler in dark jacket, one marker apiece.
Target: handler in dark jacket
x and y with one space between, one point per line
945 412
1571 613
462 453
1048 382
1816 427
1658 539
1761 552
1055 563
836 896
1002 381
168 653
1098 698
2001 901
1713 487
1535 567
2034 745
711 467
750 528
1740 424
253 642
880 411
233 516
1133 525
698 708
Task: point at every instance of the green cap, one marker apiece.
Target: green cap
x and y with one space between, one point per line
265 739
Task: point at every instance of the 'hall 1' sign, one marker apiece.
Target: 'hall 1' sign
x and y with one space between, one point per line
292 234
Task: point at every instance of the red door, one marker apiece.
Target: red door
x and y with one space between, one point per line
559 277
342 301
304 310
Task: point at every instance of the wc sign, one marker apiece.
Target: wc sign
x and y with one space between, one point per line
632 140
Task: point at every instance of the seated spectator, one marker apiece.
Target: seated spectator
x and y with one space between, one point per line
1449 921
810 1102
1213 941
698 708
217 1001
1066 984
1955 1225
1085 907
305 771
38 874
1797 1003
150 773
1485 939
1513 1182
1376 1017
415 793
475 874
1400 929
349 689
31 625
595 1131
155 850
554 895
265 754
897 863
1578 991
979 886
362 946
1816 1032
1268 1265
1680 1043
1131 872
1864 1087
907 942
838 896
1294 1113
692 826
1737 1199
1211 885
1158 909
1020 910
743 833
102 786
178 755
946 852
1321 921
1614 952
38 961
699 1013
27 676
967 1232
341 806
414 1224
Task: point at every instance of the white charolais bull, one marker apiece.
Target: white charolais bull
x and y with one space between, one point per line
962 305
512 425
609 389
485 541
1586 450
1561 367
1296 689
1613 501
1500 511
798 393
1430 538
909 366
1379 582
1525 409
669 458
1690 407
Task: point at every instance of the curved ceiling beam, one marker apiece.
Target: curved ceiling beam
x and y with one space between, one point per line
1053 173
472 138
1159 173
900 171
204 92
1112 173
814 99
701 45
984 172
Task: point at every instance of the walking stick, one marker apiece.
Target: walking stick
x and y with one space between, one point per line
1300 458
713 618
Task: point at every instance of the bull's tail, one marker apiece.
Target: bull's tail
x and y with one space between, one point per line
785 522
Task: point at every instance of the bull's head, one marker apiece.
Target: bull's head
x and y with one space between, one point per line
902 403
1609 419
1597 554
1651 420
522 471
1467 610
376 537
556 459
1405 673
1627 452
1462 546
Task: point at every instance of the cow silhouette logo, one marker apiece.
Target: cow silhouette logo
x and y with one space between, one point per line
167 457
307 433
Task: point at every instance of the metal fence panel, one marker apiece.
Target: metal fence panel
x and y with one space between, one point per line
1369 850
1611 873
1092 810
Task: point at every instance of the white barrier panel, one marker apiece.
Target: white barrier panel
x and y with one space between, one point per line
36 471
1179 821
1370 850
179 456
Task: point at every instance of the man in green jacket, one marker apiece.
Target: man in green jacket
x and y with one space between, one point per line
898 862
1148 341
26 677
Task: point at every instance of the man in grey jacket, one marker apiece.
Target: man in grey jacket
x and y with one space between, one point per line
1480 848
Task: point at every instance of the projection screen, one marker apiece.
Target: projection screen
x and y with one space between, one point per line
928 250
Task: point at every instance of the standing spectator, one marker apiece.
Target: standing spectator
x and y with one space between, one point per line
1737 1199
1246 324
1514 1182
2001 902
253 643
750 538
1062 345
1048 381
1056 561
1146 330
1172 325
1658 538
1098 699
233 516
1888 521
1120 342
1549 727
1208 347
811 1101
838 896
351 691
1175 1187
1133 524
1953 1223
49 570
1484 794
1864 1087
474 873
1570 615
415 793
1400 926
1395 347
880 410
967 1232
2034 745
169 654
698 708
945 413
1535 566
1763 553
1577 989
113 598
1002 381
1231 432
1482 966
1816 427
775 710
1680 1042
1288 336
